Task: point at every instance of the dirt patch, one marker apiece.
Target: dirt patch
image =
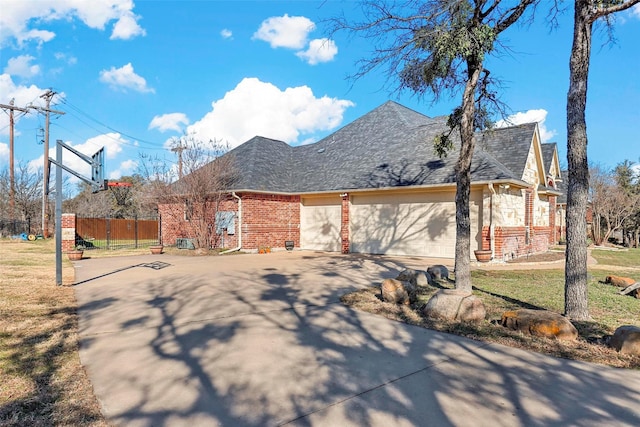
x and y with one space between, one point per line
543 257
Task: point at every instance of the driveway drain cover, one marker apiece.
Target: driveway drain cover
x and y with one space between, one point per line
158 265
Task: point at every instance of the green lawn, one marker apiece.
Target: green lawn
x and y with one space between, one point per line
622 258
504 290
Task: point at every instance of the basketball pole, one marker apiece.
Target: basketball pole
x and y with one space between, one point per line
96 181
59 216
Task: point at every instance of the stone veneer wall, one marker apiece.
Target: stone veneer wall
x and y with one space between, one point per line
512 242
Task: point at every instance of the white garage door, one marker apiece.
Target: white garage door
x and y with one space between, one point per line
320 219
408 224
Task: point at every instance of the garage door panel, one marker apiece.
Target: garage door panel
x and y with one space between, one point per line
407 224
320 221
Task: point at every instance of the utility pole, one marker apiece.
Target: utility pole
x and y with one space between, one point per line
179 148
12 181
45 170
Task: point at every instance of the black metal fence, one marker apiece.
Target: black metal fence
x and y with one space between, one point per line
117 233
12 227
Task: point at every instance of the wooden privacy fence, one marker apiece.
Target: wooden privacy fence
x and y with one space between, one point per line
116 233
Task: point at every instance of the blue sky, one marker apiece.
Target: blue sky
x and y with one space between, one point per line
130 76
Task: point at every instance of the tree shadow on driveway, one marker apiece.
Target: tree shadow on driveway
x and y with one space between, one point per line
271 345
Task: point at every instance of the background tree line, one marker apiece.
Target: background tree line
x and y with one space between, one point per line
615 203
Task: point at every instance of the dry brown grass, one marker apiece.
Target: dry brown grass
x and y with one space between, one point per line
591 345
42 382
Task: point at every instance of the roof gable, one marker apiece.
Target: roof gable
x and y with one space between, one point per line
551 161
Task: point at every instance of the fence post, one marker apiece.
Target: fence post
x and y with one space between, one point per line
135 230
108 230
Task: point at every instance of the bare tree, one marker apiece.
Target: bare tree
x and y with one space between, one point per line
585 15
28 187
192 200
438 48
115 202
611 204
628 178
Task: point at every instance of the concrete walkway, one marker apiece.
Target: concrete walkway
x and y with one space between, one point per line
262 340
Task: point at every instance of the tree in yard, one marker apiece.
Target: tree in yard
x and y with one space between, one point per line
438 48
585 14
613 206
628 180
190 192
116 202
28 192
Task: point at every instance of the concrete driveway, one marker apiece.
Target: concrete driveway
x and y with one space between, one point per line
262 340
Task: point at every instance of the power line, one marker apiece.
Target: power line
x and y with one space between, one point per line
77 109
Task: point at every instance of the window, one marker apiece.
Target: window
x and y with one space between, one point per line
225 220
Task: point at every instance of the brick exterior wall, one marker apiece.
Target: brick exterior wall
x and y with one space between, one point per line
344 225
68 223
267 221
528 207
174 225
270 220
512 242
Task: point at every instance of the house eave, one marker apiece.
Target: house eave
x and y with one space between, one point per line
409 188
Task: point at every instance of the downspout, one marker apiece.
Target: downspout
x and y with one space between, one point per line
492 228
237 248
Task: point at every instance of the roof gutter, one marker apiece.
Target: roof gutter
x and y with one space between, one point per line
237 248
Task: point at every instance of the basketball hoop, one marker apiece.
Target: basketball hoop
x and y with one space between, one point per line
120 191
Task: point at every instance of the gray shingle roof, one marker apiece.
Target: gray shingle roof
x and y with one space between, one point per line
548 151
563 187
391 146
510 146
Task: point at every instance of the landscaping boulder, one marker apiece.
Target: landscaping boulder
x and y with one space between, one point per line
626 340
397 292
415 277
633 290
453 304
438 272
621 282
541 323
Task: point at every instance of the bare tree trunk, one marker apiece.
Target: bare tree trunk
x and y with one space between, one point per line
575 294
463 179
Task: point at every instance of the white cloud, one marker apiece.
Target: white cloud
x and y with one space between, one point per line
285 31
635 11
171 121
112 143
226 33
124 78
22 96
126 168
21 66
530 116
127 27
4 153
20 20
319 50
255 108
69 59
